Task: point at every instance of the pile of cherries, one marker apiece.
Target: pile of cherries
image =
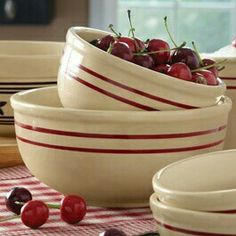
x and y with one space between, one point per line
180 62
35 213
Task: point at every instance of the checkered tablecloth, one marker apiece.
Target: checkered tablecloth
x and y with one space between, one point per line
132 221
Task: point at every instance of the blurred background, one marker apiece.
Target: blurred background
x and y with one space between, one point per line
210 23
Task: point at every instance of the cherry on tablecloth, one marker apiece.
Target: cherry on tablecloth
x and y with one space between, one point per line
132 221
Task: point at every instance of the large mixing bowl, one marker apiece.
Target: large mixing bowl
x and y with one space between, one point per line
109 157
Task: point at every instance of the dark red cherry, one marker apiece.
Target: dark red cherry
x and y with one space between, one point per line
105 42
187 56
209 76
144 61
17 194
122 50
129 41
213 69
163 68
158 45
112 232
139 45
181 71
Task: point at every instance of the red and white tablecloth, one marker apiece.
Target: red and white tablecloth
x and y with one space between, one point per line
132 221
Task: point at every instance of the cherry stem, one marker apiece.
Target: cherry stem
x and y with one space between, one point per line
155 52
197 53
110 48
111 27
209 66
50 205
9 218
132 29
167 29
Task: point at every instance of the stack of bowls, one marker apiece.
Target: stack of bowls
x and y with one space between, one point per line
24 65
196 196
110 124
227 54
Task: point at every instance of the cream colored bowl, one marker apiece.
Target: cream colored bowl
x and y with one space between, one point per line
25 65
109 157
205 182
29 59
90 78
172 221
228 75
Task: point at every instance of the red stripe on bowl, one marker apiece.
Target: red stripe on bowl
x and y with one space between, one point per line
228 78
190 232
114 96
231 87
133 90
118 136
119 151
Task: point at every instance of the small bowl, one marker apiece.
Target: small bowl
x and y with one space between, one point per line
25 65
204 183
228 75
109 157
173 221
90 78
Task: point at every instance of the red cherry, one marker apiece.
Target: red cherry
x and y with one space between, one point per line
128 41
180 71
105 42
73 209
198 78
158 45
144 61
122 50
34 214
209 76
187 56
213 69
139 45
163 68
234 42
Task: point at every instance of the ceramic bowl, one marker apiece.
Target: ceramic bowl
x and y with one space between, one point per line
228 75
24 65
204 183
29 59
109 157
90 78
172 221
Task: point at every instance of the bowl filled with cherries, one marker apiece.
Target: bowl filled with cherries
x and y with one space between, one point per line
108 71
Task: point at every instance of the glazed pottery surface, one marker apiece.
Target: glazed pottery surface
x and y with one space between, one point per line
109 157
173 221
90 78
25 65
205 182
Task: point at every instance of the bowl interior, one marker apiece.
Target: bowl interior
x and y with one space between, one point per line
208 172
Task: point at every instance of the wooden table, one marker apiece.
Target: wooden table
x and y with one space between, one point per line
9 153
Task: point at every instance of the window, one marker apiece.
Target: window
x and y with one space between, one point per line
211 24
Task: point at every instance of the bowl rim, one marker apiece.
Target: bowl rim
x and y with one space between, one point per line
215 193
168 210
131 67
19 104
